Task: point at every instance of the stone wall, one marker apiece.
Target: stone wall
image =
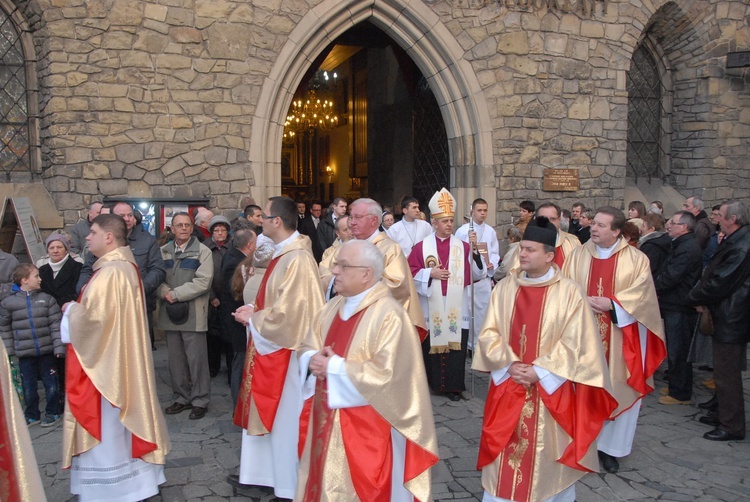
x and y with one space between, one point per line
159 98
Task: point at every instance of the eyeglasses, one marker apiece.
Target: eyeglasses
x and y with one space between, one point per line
359 216
182 225
268 217
346 265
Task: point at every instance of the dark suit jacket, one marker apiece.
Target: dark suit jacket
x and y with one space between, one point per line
306 226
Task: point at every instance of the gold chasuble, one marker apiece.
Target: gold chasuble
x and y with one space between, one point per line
288 297
19 474
625 278
348 453
564 245
110 358
534 444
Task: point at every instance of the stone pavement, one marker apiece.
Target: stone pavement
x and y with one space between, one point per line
670 459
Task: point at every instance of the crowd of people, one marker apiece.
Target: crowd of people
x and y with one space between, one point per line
336 326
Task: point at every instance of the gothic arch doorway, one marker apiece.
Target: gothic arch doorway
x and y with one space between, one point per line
436 53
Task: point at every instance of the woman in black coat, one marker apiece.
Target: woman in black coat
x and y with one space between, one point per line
59 279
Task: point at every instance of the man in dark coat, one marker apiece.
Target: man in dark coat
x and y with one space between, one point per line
724 289
673 282
703 227
326 233
234 332
309 226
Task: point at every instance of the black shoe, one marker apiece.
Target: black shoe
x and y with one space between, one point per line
711 404
153 347
234 480
213 374
705 367
720 435
710 420
176 408
609 463
198 413
454 396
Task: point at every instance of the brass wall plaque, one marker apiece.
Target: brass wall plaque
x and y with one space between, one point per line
560 180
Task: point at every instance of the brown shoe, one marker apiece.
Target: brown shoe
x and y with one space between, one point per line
670 400
176 408
198 413
709 384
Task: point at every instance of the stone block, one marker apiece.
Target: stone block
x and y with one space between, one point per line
151 42
185 35
133 173
78 155
580 109
155 12
139 189
113 187
117 40
129 153
513 43
173 165
95 170
172 62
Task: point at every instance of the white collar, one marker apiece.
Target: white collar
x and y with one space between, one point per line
605 253
550 273
278 247
351 303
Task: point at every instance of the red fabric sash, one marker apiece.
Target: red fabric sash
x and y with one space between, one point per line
260 298
263 375
581 411
84 402
559 256
640 370
8 475
422 333
602 283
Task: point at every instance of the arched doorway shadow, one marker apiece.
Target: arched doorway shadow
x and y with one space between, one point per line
433 49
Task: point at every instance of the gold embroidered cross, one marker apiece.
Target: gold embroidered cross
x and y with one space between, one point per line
600 288
522 338
445 202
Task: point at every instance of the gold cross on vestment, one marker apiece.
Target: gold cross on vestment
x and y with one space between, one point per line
522 338
445 202
600 288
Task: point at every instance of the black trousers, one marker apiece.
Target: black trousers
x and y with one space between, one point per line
446 372
728 364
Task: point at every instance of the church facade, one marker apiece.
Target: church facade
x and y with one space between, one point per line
188 98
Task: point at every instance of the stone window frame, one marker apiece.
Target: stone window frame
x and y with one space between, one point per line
664 70
15 15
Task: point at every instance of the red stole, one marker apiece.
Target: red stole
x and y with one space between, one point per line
602 283
511 414
263 375
84 399
8 474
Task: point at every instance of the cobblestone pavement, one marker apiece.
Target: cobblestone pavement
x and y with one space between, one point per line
670 459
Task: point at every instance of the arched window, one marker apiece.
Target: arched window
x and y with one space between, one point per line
649 113
18 117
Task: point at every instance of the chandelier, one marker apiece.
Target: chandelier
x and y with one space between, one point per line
312 112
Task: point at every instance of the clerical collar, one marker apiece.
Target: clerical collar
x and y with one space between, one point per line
605 253
546 277
442 239
278 247
351 303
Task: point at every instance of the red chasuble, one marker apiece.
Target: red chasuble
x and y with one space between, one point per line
511 416
263 375
84 399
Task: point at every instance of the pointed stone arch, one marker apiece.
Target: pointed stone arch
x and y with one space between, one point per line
419 31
